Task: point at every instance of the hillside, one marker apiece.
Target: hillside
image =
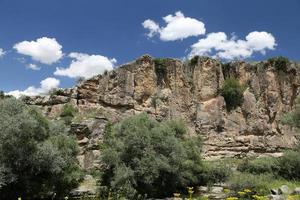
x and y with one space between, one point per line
169 88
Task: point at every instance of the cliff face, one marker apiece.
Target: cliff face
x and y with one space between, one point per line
171 89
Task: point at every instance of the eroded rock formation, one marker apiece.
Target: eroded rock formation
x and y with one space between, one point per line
187 91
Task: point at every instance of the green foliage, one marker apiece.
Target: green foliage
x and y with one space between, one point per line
56 91
216 172
68 113
232 92
293 118
259 165
286 166
280 63
194 60
143 156
289 165
160 70
37 157
3 95
257 183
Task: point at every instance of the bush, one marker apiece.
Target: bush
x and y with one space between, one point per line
289 165
68 113
143 156
194 60
232 92
216 172
258 184
57 91
260 166
293 118
280 63
160 70
37 157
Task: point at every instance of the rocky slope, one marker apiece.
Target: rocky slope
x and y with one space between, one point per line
169 88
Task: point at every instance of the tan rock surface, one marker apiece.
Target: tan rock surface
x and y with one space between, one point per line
189 93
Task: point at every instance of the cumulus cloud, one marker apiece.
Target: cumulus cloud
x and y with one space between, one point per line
86 66
178 27
44 50
33 66
45 86
2 52
219 45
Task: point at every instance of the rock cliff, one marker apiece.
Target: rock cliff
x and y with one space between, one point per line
172 89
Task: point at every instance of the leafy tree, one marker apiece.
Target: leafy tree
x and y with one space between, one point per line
38 157
280 63
142 156
232 92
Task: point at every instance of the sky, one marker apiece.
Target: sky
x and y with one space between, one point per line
46 44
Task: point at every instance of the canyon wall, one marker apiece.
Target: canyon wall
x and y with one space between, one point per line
172 89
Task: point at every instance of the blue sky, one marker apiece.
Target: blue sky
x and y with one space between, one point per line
113 29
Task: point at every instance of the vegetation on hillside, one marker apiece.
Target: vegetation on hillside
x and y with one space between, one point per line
280 63
68 113
160 70
37 157
232 92
143 156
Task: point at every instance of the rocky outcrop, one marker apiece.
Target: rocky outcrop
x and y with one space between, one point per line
187 91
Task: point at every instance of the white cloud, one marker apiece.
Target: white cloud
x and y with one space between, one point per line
44 50
178 27
219 46
33 67
151 26
45 86
84 65
2 52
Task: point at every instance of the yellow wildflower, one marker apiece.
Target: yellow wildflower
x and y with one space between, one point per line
247 190
242 193
232 198
226 190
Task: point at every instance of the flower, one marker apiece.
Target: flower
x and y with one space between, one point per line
247 190
232 198
226 190
242 193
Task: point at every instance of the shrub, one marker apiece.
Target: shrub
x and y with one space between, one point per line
289 165
194 60
259 166
160 70
293 118
280 63
3 95
56 91
143 156
68 113
255 183
216 172
37 157
232 92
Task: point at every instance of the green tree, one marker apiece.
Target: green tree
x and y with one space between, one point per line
232 92
38 157
280 63
143 156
